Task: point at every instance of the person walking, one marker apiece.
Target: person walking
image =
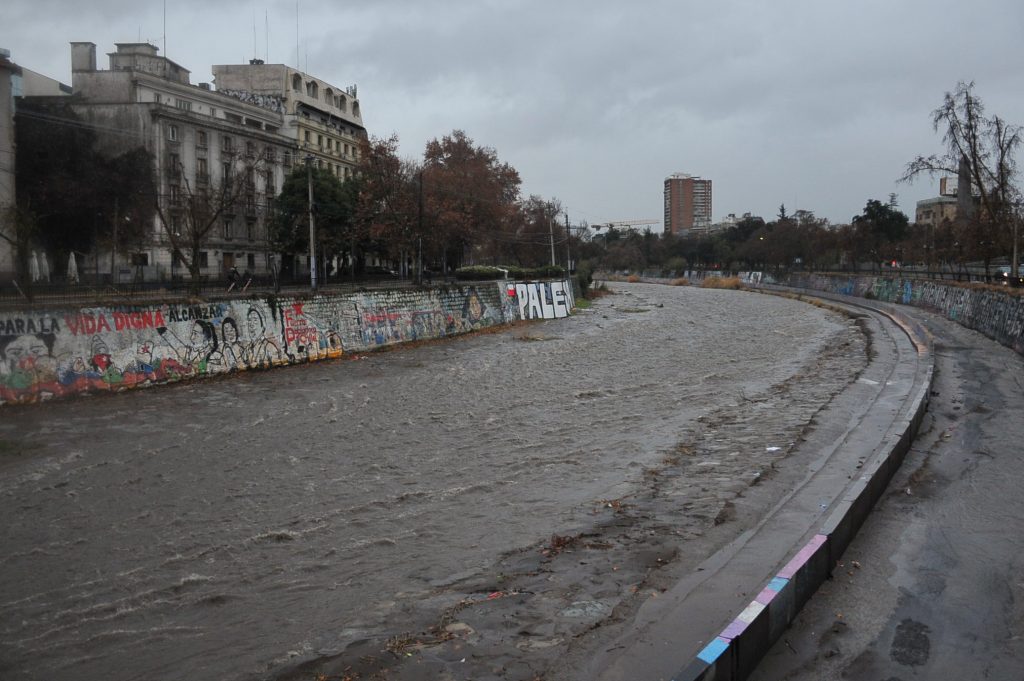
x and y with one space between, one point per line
233 277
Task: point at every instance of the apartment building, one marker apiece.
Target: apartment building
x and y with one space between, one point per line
687 203
324 121
200 139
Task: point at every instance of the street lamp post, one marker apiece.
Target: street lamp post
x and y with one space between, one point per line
312 228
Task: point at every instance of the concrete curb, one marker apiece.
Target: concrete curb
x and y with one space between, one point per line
735 651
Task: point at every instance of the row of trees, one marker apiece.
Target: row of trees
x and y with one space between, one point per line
70 197
979 149
460 204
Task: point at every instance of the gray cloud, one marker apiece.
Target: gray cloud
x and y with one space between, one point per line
815 104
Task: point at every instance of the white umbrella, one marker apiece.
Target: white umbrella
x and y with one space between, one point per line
33 267
72 269
44 267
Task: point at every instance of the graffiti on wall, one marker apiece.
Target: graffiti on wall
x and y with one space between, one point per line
544 300
264 101
993 313
55 354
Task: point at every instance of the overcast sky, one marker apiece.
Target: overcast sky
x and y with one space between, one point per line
817 104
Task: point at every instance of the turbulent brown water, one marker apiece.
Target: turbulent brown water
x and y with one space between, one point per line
225 529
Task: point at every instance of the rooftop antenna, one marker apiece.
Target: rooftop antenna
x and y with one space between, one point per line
298 55
165 28
266 29
255 49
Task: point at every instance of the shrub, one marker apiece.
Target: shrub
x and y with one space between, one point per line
584 276
479 272
682 281
722 282
633 278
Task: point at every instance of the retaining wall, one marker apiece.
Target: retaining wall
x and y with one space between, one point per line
59 352
998 315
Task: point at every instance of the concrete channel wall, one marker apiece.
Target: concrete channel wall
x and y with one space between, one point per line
997 315
62 351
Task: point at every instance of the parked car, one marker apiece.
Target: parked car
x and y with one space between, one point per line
379 272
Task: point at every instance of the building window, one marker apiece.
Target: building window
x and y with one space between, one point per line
250 230
202 171
250 261
183 104
268 184
228 230
287 159
172 133
307 136
175 194
201 139
140 259
297 83
312 90
320 141
250 149
226 144
156 97
173 167
225 176
204 259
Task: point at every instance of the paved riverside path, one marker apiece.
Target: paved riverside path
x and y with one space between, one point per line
488 507
933 586
858 430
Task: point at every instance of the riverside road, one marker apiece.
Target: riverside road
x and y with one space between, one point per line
932 586
382 514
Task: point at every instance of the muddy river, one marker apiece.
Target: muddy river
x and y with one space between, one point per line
251 526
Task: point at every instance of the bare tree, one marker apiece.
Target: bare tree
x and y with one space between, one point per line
18 227
980 151
190 213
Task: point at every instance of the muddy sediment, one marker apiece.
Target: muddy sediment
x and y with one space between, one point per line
487 508
538 609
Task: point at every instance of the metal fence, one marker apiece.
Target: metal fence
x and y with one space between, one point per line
85 292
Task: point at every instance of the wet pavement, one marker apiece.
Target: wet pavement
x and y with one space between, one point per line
932 586
467 509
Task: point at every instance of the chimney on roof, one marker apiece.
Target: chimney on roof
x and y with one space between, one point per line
255 61
83 57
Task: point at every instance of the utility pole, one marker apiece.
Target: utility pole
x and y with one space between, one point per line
568 253
312 228
419 233
551 233
113 243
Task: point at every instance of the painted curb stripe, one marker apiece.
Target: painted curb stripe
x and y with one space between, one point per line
740 624
713 650
801 558
769 592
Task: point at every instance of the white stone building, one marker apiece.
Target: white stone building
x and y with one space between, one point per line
198 137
